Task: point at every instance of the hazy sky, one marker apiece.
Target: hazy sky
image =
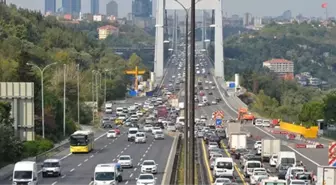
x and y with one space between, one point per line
255 7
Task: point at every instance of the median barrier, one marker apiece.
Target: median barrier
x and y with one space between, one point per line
311 132
309 146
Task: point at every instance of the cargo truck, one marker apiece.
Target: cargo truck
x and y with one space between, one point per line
237 141
326 175
232 127
269 147
181 105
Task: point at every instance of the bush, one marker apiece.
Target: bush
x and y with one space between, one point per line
33 148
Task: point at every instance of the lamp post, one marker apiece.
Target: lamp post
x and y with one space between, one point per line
78 103
105 75
64 97
42 90
93 95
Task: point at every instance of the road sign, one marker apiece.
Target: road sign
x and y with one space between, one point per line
232 85
218 122
332 154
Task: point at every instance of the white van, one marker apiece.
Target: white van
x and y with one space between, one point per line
119 110
25 172
132 133
108 108
140 137
106 174
223 167
287 158
249 167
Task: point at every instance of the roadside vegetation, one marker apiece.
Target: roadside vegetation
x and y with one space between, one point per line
28 37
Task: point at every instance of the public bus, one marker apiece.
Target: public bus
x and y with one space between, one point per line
81 141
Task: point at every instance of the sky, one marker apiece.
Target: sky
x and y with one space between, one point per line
255 7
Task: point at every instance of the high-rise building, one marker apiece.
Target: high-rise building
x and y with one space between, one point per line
2 1
72 7
50 6
94 7
112 8
142 8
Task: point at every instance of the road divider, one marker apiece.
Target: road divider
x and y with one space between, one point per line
309 146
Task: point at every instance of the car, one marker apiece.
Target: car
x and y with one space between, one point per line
125 161
158 135
200 104
282 171
291 172
258 122
212 145
213 87
213 102
140 137
51 167
266 123
210 93
257 144
148 128
221 181
273 160
156 129
117 130
146 179
149 166
256 175
111 134
297 182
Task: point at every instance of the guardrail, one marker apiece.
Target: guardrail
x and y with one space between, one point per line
174 176
7 171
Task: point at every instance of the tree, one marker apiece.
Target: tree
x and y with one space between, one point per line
311 112
329 107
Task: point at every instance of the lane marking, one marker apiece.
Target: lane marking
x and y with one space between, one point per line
91 156
80 164
141 159
122 151
135 169
86 160
54 183
72 169
143 155
63 176
205 158
131 175
126 182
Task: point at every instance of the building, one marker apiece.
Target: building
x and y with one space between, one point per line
2 1
112 8
284 68
142 8
94 7
72 7
247 19
107 30
98 18
49 6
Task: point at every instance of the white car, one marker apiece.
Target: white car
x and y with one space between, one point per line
149 166
266 123
257 144
273 160
259 150
212 145
214 102
140 137
221 181
156 129
126 161
213 87
146 179
148 128
200 104
258 122
158 135
297 182
111 134
292 171
256 175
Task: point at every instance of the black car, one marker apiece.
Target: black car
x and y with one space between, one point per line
282 170
214 138
218 99
210 93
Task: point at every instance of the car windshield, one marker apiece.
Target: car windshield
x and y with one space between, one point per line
140 135
260 173
304 176
298 182
253 165
50 165
104 176
148 163
124 158
146 177
294 171
159 132
132 131
78 140
225 165
223 180
23 175
111 131
275 183
275 156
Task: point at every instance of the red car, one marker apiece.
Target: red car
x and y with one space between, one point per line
117 130
201 93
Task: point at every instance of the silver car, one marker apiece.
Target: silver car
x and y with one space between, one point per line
51 167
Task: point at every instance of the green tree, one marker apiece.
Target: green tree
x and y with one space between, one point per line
329 107
311 112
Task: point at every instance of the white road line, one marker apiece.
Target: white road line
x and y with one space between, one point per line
97 152
54 183
143 155
86 160
148 148
72 169
113 159
122 152
118 155
110 143
302 155
66 156
126 182
105 146
128 145
63 176
91 156
141 159
146 151
80 164
135 169
125 148
138 164
131 175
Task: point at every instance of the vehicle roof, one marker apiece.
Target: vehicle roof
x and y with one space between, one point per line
125 156
51 161
109 167
83 132
25 165
224 159
146 174
254 161
148 161
141 133
133 128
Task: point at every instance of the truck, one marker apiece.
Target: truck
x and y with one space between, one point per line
326 175
232 127
162 112
237 141
181 105
269 147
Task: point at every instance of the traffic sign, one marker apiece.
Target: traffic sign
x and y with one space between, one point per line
232 85
218 122
332 154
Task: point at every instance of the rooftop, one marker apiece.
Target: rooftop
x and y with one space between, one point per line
107 27
274 61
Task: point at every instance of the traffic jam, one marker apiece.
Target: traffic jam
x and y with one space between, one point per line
237 157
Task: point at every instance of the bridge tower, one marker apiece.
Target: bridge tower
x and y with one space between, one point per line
159 39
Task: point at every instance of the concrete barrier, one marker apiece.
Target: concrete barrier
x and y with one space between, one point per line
311 132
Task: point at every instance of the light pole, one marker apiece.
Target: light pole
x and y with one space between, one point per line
64 97
78 103
42 89
105 75
93 95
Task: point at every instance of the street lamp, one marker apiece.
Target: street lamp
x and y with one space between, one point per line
78 106
93 95
105 74
64 97
42 90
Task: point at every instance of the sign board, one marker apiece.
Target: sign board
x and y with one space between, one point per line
332 154
218 122
232 85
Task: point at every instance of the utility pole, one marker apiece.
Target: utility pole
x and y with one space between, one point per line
64 97
93 95
192 90
78 103
97 91
186 107
105 86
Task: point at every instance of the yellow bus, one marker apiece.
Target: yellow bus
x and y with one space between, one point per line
81 141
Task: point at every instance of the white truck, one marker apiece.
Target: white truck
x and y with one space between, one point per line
232 128
108 108
237 141
326 175
181 105
269 147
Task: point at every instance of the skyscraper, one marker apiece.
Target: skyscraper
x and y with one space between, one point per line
72 7
142 8
94 7
50 6
112 8
3 1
